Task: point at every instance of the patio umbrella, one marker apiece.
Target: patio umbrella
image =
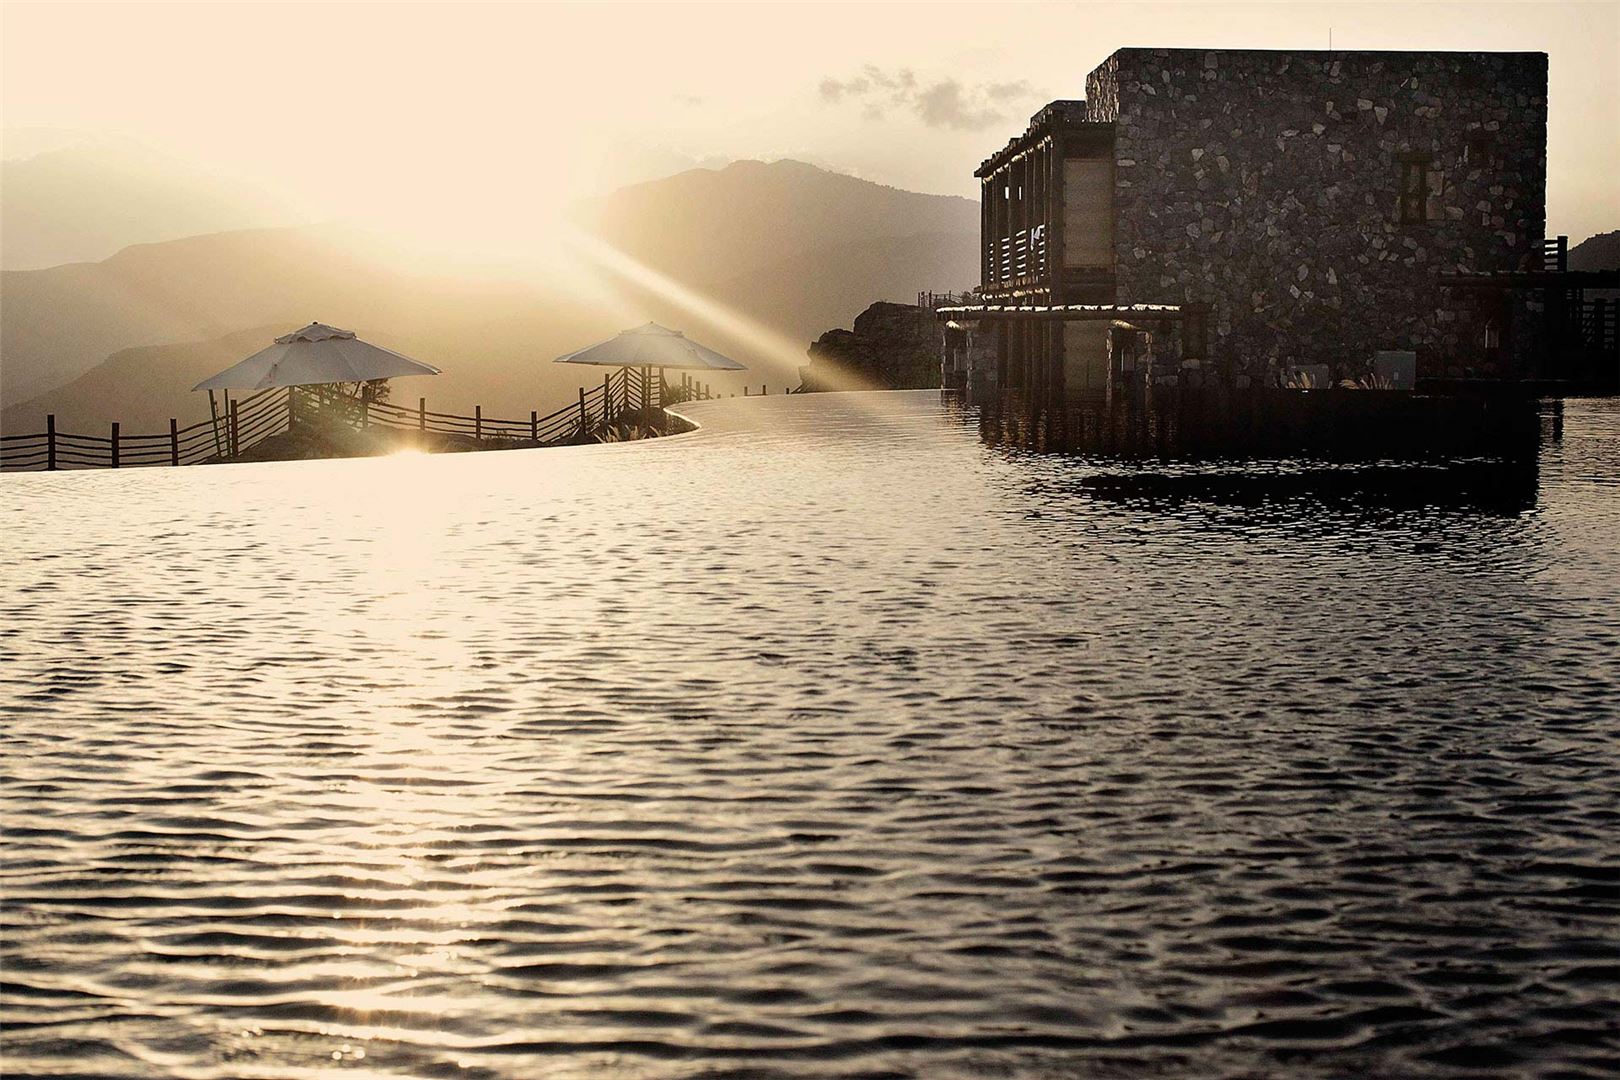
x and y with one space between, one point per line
316 354
651 346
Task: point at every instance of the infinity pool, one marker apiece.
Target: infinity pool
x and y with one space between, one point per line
822 741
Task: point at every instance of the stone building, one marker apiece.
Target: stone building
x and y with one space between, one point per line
1245 212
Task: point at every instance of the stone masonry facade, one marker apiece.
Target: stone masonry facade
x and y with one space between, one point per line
1270 185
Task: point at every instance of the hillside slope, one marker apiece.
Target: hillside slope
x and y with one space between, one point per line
718 224
1600 252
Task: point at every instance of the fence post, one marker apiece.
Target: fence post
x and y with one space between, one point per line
582 419
534 426
235 429
663 390
115 444
607 399
421 414
365 407
50 441
174 441
478 423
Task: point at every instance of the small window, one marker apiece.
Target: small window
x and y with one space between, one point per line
1479 150
1414 209
1194 331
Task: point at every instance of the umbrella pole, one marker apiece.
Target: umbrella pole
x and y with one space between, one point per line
213 416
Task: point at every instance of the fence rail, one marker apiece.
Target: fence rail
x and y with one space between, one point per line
1554 252
1019 256
1597 324
929 301
625 395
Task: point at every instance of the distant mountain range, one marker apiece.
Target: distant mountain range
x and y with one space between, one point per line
90 199
786 245
713 225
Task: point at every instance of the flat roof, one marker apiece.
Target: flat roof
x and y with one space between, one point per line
1066 113
1076 312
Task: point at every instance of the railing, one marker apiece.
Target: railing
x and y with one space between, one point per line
1597 325
1019 256
1554 252
247 421
932 301
624 396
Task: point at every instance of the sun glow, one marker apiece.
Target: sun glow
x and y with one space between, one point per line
607 261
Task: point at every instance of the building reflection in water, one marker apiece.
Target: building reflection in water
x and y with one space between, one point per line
1482 457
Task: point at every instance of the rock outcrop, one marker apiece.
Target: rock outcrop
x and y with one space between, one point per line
892 347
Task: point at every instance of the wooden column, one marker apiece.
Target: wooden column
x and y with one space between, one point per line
1023 199
987 233
421 414
1054 222
1060 372
213 420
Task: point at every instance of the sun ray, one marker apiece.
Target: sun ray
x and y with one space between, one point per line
594 252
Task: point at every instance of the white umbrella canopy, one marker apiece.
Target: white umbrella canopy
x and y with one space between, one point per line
651 346
316 354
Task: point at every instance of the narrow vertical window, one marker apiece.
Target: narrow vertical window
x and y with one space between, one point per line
1414 208
1194 331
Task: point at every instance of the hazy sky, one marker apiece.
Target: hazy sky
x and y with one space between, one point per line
464 119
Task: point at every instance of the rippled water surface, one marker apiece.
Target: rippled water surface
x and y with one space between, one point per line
823 741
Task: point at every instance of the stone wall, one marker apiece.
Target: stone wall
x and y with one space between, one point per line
1268 184
893 346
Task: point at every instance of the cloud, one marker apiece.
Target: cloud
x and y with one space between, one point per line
1005 91
947 103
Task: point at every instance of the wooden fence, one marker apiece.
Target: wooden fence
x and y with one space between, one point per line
624 395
